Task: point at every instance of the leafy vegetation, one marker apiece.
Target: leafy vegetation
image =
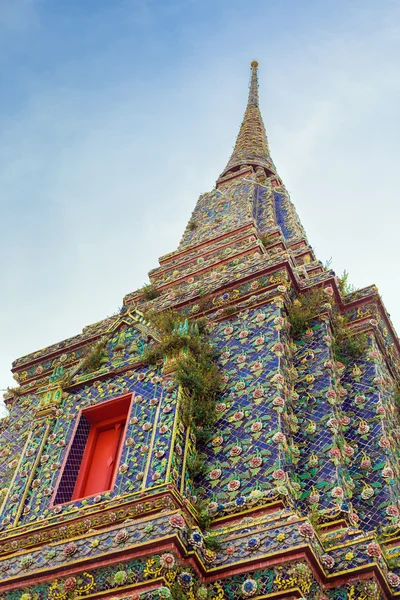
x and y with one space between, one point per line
196 589
352 347
314 516
347 344
196 371
94 357
67 380
344 286
203 517
328 264
150 292
177 592
13 392
229 310
195 465
396 396
186 345
212 543
303 310
174 338
200 383
267 238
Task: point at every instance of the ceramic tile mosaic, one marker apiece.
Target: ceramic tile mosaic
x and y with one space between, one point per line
298 491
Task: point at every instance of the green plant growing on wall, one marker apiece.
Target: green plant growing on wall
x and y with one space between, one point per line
200 383
172 339
304 309
314 516
212 543
344 286
13 392
267 239
396 397
177 592
195 465
195 368
328 264
186 345
149 291
67 380
192 225
353 347
203 517
229 310
347 344
94 357
197 590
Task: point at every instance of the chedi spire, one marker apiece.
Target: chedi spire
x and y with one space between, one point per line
251 148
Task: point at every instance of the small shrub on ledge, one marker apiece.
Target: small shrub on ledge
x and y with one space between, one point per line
95 357
268 239
12 392
195 466
347 344
195 368
150 292
212 543
343 284
304 309
203 517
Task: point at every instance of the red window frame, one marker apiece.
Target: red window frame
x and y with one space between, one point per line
112 414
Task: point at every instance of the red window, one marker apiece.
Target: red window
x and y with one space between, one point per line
94 452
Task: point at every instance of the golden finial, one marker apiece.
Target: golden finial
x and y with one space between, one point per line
254 64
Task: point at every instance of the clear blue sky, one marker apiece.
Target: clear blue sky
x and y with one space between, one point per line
115 116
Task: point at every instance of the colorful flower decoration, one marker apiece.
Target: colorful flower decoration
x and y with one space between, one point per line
249 588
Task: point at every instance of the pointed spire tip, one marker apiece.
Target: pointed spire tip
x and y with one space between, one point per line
251 148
